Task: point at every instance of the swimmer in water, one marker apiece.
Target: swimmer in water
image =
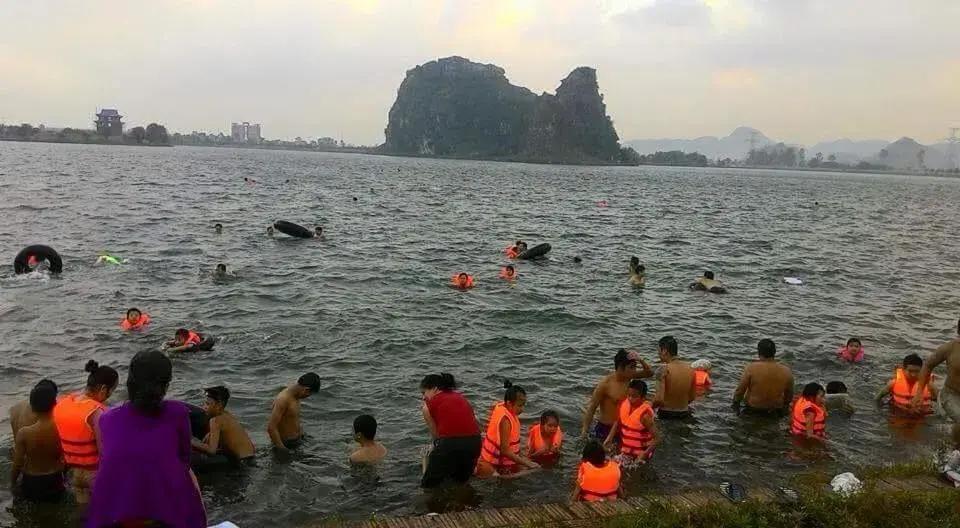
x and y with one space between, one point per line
220 272
135 320
104 258
638 273
183 340
508 273
270 231
318 232
364 433
577 260
462 281
708 284
218 228
354 198
284 427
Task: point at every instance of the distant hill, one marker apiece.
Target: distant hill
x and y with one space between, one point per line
734 146
905 153
848 150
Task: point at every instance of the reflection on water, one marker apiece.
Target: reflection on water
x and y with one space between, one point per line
370 310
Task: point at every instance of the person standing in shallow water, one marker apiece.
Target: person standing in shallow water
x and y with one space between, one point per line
612 390
455 431
145 465
676 383
284 426
950 393
766 385
37 456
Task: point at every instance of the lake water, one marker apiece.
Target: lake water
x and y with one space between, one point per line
369 309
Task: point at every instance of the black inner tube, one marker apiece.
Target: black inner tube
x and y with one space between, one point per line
534 252
294 230
206 344
40 253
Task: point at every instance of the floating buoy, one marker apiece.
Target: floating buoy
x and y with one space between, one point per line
793 280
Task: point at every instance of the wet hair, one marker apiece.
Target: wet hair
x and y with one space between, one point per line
269 229
547 415
641 268
622 359
43 397
442 382
462 274
182 332
578 260
708 275
593 453
766 349
836 387
366 426
853 340
510 267
512 391
219 394
221 267
318 228
217 225
912 359
311 381
101 376
131 310
638 385
810 390
47 383
354 198
150 374
635 260
669 344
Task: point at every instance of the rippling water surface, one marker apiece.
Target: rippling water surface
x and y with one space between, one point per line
369 308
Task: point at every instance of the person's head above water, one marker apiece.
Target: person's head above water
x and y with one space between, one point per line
318 231
594 453
625 363
813 392
42 398
434 383
514 396
766 349
577 260
147 381
549 423
708 275
509 269
101 381
308 384
270 230
912 364
218 227
221 269
364 428
836 387
133 315
217 398
667 348
637 390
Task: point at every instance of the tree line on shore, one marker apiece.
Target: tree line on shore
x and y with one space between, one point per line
153 135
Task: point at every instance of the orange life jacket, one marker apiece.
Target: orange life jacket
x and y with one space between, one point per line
512 252
127 325
598 483
798 425
469 283
505 274
903 392
77 439
491 442
702 378
192 339
634 437
536 442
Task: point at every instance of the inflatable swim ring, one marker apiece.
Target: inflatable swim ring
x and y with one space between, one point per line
202 346
294 230
535 252
38 253
708 285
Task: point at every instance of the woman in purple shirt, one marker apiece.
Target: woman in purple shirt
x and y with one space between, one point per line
145 455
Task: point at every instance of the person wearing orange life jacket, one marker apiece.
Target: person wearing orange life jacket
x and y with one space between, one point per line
508 273
638 433
701 372
545 438
516 249
904 385
134 320
462 281
184 340
500 454
76 416
598 479
809 416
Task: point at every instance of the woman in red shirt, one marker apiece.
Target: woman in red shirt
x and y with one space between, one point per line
456 434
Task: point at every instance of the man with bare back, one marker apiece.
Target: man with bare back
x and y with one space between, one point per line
612 390
284 426
950 394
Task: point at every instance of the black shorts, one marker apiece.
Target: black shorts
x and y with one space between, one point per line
776 412
665 414
453 459
43 488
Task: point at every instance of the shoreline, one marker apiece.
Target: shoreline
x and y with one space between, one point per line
896 494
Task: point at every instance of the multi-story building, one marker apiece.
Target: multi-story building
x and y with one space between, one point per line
245 132
109 123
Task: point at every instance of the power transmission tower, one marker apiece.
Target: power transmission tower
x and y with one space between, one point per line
952 143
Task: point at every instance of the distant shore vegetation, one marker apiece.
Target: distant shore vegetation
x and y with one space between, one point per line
151 135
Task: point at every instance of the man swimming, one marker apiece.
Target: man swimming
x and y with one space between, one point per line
950 393
766 384
612 390
227 436
318 232
218 228
220 272
270 231
284 426
37 456
676 383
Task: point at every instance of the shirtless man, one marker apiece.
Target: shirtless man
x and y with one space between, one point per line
284 425
20 413
612 390
676 383
950 394
767 384
227 436
37 457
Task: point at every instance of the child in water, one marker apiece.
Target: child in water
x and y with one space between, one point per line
598 479
364 432
701 372
545 438
462 281
135 320
220 272
508 273
853 352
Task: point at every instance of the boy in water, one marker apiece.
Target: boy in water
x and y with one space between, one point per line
598 479
270 231
218 228
364 432
183 340
37 456
284 426
545 438
227 436
220 272
318 232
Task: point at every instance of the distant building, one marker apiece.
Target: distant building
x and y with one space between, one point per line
109 123
245 132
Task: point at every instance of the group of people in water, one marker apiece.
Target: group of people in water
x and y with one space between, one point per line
135 460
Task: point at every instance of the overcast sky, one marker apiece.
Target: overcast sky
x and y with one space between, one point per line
799 70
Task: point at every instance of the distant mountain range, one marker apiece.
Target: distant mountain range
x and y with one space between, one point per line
900 154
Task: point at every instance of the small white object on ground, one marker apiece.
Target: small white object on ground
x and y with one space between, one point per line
793 280
225 524
846 484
